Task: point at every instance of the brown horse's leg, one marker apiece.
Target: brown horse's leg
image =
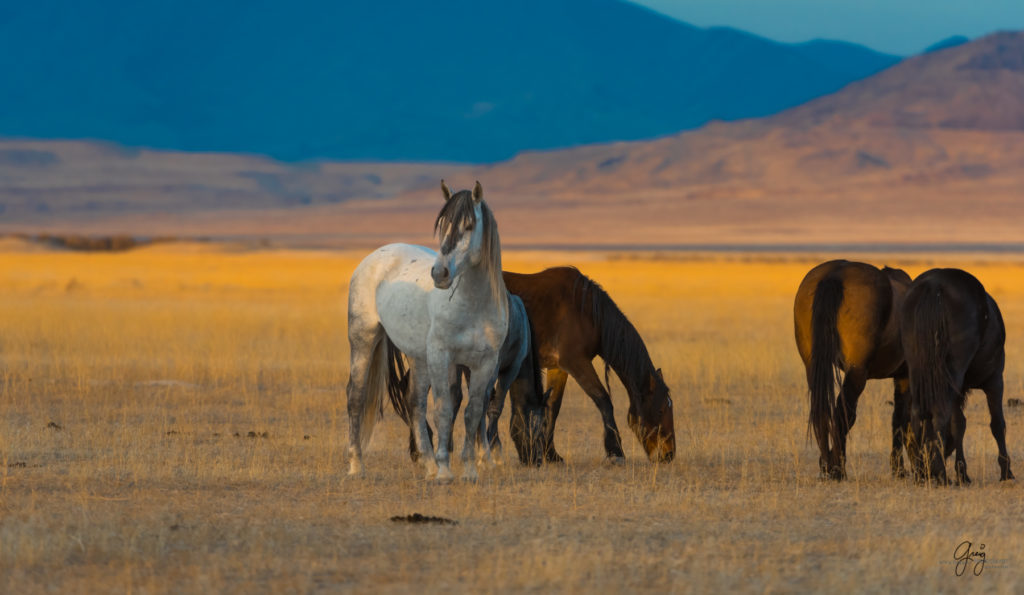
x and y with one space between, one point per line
900 420
994 395
590 382
557 378
845 416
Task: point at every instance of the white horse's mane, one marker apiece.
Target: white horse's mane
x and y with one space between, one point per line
449 226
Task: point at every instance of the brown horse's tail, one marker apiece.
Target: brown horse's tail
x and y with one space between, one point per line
825 356
932 390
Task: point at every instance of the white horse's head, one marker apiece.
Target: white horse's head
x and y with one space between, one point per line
466 228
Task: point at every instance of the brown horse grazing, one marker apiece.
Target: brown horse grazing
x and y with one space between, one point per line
574 320
953 337
846 316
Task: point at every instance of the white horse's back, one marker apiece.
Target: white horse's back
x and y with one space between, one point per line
390 288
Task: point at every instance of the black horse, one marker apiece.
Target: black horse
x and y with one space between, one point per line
953 340
846 320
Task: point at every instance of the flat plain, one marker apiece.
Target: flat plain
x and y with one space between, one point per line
172 419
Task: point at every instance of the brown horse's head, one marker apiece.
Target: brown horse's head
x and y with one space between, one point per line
650 418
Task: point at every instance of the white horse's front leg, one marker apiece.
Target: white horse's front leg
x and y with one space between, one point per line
479 380
443 378
418 401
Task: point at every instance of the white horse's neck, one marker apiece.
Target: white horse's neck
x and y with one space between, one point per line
473 290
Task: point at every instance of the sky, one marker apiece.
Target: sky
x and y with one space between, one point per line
901 27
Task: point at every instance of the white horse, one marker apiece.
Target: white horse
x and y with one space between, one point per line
447 312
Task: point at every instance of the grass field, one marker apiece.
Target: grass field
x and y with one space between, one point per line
172 419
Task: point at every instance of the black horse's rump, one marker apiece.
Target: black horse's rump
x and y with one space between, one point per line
953 338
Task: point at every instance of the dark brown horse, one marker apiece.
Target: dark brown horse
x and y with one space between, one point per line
846 316
953 338
574 320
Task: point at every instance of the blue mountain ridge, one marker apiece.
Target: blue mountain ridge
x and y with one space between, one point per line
456 80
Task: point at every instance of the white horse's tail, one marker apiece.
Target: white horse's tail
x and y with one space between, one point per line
376 388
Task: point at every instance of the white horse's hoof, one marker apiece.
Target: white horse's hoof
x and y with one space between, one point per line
444 474
430 470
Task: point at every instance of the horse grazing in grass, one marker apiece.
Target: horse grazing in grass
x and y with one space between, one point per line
574 320
846 318
953 339
447 312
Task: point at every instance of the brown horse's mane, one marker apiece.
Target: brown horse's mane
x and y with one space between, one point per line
621 347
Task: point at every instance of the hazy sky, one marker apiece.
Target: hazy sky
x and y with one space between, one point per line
900 27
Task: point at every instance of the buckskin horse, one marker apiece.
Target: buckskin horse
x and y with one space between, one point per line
953 338
846 319
573 320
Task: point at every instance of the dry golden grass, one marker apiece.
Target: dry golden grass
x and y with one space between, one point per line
157 364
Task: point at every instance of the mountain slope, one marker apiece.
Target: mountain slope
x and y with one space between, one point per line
895 124
409 80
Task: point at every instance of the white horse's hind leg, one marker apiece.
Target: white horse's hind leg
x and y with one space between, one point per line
359 365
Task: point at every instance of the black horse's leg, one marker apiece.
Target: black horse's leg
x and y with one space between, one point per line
557 378
937 435
994 394
496 403
958 425
845 416
900 420
589 381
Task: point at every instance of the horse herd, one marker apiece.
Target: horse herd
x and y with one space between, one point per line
421 321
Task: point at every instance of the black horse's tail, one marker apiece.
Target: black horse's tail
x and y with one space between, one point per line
825 356
398 382
927 351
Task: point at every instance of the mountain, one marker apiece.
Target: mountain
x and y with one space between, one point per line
896 123
931 150
458 80
949 42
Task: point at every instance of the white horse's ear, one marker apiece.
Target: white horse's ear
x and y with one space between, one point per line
478 192
446 191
